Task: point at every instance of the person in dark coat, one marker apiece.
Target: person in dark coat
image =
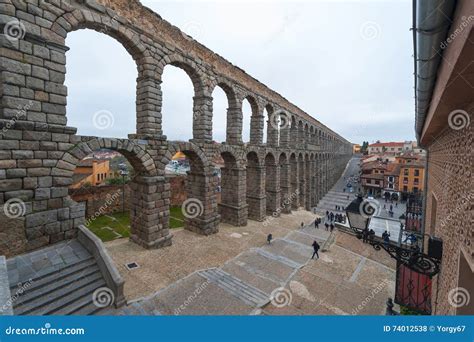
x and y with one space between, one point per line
316 249
269 239
316 223
332 227
327 226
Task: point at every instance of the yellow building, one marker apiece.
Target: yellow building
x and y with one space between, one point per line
412 173
91 172
356 148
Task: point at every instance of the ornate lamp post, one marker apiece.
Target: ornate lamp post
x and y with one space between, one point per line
359 213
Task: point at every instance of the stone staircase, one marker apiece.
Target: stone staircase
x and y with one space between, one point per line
57 280
247 293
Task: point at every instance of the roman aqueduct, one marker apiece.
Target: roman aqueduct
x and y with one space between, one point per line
297 165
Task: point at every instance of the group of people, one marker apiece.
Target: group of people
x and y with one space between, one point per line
331 217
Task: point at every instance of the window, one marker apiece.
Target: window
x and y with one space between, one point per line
417 173
416 181
415 189
405 172
405 189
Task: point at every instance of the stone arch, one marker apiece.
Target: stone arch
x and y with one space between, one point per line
202 100
285 185
233 207
256 119
201 185
103 23
233 119
255 186
197 157
272 128
272 184
147 227
147 114
294 175
293 132
141 161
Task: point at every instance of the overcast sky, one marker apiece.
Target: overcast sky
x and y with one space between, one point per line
347 63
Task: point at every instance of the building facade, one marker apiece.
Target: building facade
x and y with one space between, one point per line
444 86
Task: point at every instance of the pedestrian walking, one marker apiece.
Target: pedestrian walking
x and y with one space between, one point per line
327 226
316 249
302 225
332 227
316 223
269 239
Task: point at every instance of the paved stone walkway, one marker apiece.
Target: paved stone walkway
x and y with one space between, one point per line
278 279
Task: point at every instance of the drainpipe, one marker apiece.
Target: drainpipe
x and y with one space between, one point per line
431 22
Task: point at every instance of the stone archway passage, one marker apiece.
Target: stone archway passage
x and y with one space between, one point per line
272 185
256 199
38 151
200 207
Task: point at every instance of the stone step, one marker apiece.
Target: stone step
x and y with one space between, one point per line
61 295
45 279
68 280
247 293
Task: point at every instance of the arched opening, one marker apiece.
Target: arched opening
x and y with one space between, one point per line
250 121
267 135
293 133
285 184
100 100
176 173
302 180
255 188
193 190
233 205
272 185
221 98
102 186
177 105
294 181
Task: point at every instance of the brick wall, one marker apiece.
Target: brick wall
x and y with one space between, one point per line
449 208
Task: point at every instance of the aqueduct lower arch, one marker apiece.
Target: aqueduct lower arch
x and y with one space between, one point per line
38 150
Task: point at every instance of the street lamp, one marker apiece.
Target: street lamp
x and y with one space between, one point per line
359 213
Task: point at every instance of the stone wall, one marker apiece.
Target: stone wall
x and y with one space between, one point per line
101 200
39 152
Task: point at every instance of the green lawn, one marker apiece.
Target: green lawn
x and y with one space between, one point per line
117 225
176 217
112 226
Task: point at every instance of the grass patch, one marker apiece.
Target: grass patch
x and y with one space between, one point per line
176 217
113 226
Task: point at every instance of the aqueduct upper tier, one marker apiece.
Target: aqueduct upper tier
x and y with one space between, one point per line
300 161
